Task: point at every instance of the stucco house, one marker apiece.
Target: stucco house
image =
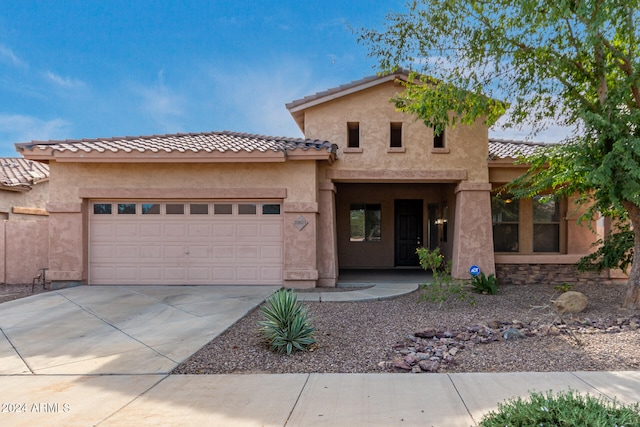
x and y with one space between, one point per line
24 229
24 188
363 189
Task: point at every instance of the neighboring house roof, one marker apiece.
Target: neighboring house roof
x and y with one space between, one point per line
18 174
296 108
511 150
208 146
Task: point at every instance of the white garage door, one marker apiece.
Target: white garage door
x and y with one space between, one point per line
178 242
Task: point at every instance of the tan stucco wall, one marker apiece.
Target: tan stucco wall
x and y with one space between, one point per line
24 249
466 147
35 198
298 177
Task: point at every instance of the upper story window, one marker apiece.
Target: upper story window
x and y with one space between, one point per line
438 139
396 134
353 134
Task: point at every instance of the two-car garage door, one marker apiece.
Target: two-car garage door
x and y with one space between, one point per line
185 242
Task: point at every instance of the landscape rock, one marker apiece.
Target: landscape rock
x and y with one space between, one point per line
429 366
425 352
513 333
427 333
570 302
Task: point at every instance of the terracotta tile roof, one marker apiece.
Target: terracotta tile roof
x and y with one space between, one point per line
209 142
509 149
21 174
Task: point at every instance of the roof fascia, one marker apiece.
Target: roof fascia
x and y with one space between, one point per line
180 157
346 91
151 157
16 188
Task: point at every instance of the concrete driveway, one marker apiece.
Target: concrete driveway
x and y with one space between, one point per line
91 330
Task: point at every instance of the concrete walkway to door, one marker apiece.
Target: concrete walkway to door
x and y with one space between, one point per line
91 330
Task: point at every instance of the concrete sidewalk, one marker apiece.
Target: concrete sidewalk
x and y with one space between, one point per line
448 400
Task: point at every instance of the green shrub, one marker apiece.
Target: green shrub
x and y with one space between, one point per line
563 287
565 409
485 284
286 326
444 285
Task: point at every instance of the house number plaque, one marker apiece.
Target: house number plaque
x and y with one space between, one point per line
300 222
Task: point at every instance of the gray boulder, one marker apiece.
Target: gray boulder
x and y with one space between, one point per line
570 302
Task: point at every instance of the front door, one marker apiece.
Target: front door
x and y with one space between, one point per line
408 227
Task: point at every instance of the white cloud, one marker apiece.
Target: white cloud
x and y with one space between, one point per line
258 102
162 104
19 128
65 82
7 56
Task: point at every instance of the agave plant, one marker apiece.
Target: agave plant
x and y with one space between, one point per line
285 323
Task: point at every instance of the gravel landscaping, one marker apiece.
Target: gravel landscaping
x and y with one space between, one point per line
408 334
11 292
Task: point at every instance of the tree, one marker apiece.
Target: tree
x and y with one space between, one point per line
571 62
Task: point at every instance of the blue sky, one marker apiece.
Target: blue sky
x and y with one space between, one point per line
86 69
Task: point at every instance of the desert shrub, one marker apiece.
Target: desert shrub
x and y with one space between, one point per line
444 285
485 284
563 287
564 409
286 325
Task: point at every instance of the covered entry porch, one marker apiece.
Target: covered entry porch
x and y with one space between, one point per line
379 225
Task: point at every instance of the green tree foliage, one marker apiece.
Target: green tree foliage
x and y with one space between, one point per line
568 62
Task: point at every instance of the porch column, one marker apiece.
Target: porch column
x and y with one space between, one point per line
327 236
300 244
473 234
66 248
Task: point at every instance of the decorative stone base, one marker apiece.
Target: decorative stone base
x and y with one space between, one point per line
554 274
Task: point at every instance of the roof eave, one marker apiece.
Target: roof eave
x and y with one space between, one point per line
241 156
301 104
16 188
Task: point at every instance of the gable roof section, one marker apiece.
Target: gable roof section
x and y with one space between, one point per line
18 174
223 146
296 108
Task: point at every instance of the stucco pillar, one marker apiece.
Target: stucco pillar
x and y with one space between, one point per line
327 236
300 244
66 248
473 234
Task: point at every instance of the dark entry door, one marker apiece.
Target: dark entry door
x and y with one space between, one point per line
408 219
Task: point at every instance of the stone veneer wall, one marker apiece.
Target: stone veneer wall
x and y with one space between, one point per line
554 274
